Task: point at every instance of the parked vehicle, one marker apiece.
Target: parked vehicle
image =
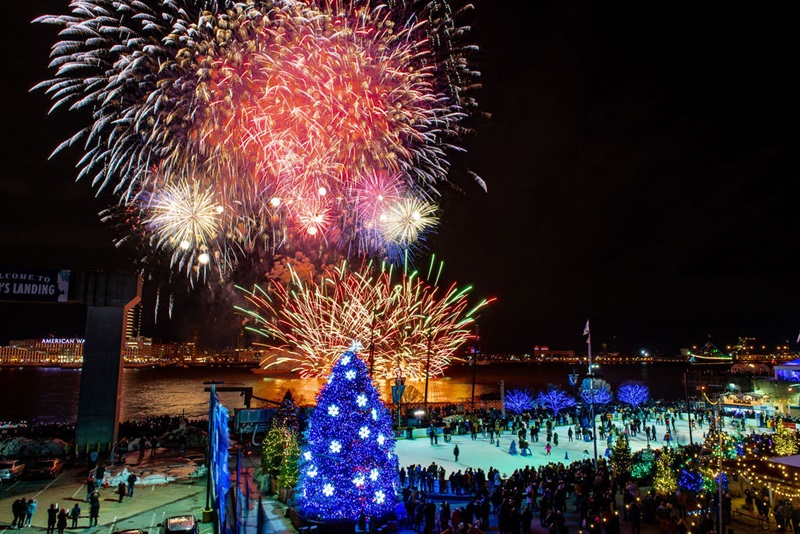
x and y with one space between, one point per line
11 469
179 524
50 467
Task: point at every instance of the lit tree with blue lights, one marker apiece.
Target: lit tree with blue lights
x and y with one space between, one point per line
348 466
555 399
691 481
596 391
518 401
596 396
633 394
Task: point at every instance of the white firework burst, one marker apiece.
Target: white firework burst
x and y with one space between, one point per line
183 215
406 220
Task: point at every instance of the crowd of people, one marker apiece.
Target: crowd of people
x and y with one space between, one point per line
600 503
24 509
130 429
510 503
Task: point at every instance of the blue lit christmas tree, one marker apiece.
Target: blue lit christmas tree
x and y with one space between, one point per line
349 465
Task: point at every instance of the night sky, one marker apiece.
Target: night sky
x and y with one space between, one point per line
638 167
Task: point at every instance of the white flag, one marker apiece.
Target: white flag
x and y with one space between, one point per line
586 330
798 338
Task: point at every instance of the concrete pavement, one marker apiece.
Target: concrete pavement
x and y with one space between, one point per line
151 502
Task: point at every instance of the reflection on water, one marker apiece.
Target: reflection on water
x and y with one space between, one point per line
53 393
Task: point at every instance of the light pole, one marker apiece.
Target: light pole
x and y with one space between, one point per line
397 396
476 351
594 423
208 512
688 406
474 371
718 410
372 344
591 388
719 462
427 371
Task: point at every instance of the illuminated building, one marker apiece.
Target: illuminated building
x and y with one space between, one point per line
47 351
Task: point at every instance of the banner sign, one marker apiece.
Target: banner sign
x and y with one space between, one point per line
397 393
219 471
33 285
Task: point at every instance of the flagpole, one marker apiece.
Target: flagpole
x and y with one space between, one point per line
591 389
588 333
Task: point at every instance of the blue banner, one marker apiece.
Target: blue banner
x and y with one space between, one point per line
218 469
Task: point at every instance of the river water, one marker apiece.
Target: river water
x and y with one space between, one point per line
52 394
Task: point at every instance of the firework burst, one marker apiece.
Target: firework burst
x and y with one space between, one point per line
184 220
291 112
405 221
398 317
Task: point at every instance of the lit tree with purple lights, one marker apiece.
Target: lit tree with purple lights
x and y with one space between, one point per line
518 401
633 394
555 399
348 466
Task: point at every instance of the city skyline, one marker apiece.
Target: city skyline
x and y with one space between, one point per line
638 171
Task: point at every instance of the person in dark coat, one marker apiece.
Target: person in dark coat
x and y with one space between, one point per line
91 485
122 490
61 521
20 509
131 484
795 519
430 517
74 514
635 517
94 508
525 518
455 452
444 515
100 474
52 518
514 520
123 449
